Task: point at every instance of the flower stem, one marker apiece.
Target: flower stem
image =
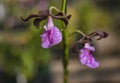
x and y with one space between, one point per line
77 31
65 45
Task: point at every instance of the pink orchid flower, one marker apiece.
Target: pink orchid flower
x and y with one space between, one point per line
86 57
51 36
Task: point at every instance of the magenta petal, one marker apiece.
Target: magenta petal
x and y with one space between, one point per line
93 64
45 40
87 46
49 24
56 36
87 59
51 37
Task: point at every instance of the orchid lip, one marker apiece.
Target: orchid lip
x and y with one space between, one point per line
51 36
86 57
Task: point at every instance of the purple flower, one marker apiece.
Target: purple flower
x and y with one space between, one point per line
51 36
86 57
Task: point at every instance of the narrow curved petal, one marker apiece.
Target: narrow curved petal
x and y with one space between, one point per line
37 22
29 17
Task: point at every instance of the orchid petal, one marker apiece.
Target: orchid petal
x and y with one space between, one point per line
87 59
49 24
51 36
87 45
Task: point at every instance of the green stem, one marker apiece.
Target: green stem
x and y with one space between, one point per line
65 45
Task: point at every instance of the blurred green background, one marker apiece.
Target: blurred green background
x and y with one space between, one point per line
22 60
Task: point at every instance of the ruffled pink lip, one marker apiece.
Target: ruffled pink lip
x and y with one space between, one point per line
51 36
86 57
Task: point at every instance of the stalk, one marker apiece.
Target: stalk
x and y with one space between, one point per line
65 46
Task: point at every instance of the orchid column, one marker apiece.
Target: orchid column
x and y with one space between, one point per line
65 45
